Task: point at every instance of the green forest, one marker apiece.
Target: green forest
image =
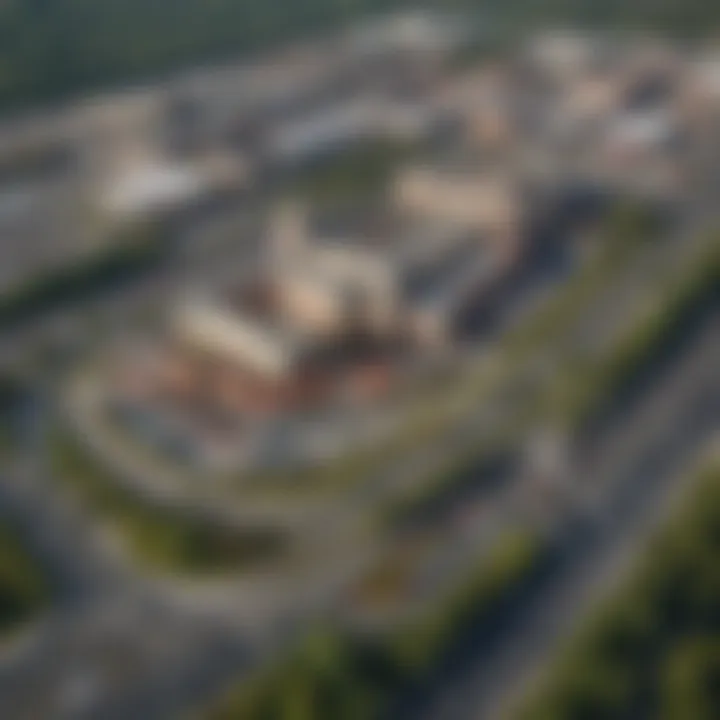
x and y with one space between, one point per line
50 49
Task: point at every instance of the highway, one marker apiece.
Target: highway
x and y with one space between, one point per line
635 478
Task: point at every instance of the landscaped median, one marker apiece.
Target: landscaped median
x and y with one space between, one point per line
626 231
580 396
340 675
163 538
653 650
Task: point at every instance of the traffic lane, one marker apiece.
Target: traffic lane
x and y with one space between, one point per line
593 553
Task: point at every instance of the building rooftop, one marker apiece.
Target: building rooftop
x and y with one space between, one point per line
153 186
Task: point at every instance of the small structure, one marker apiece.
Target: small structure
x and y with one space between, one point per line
150 187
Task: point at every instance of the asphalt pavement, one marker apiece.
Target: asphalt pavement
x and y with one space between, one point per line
638 473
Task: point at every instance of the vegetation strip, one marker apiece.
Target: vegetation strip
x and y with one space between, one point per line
337 675
585 394
161 537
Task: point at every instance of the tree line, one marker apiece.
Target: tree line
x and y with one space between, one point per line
50 49
341 674
53 48
653 651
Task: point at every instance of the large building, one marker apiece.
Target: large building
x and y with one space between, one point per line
484 200
339 292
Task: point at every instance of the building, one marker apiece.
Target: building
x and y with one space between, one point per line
484 200
343 299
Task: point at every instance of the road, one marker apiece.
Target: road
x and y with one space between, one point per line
635 479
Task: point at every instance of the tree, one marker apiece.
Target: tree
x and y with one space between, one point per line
691 681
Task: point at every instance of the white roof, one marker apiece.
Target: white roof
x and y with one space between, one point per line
154 186
646 128
245 340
